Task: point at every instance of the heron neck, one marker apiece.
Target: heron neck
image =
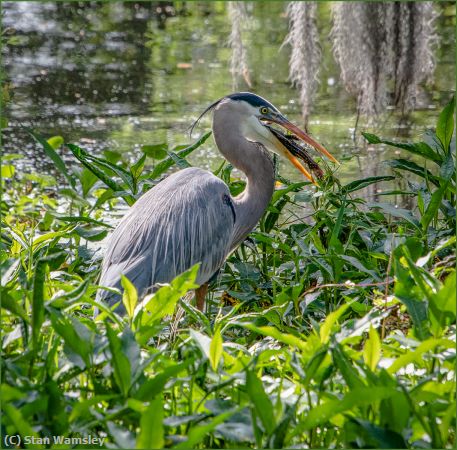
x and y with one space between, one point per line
254 161
252 202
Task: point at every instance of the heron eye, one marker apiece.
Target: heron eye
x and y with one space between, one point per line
264 110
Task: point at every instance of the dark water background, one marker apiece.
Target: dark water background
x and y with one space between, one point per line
121 75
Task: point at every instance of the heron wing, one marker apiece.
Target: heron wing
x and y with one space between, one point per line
184 220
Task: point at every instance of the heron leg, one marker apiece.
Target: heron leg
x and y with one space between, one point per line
200 294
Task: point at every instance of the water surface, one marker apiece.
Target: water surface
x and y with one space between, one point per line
122 75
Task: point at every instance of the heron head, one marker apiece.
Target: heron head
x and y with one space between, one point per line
256 116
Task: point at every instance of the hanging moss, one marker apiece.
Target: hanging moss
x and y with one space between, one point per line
305 56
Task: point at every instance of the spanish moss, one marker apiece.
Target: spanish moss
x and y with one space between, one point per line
239 61
305 56
378 44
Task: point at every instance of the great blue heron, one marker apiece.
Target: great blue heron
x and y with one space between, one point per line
190 217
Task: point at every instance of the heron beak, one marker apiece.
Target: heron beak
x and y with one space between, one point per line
282 121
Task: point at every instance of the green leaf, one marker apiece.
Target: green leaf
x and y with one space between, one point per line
447 170
261 401
81 155
416 356
13 306
55 142
419 148
360 184
396 212
20 425
326 328
7 171
181 162
154 386
163 302
357 397
279 193
411 166
157 151
164 165
215 349
129 296
151 426
445 125
121 364
443 304
372 349
433 207
288 339
138 167
346 367
57 160
76 335
382 437
198 433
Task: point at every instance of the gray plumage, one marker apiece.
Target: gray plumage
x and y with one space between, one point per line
190 217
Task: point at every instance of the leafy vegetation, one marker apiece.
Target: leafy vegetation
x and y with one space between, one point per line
333 325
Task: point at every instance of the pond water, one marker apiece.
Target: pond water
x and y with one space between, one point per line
122 75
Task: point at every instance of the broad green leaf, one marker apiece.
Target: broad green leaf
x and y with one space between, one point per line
157 151
382 437
419 148
322 413
326 328
13 306
360 184
443 304
55 142
278 193
164 165
80 409
20 425
76 335
7 171
416 356
273 332
357 263
181 162
200 432
416 169
151 433
396 212
154 386
81 155
372 349
215 349
137 168
203 341
447 170
163 302
445 125
57 160
260 400
121 364
346 367
129 296
433 207
71 296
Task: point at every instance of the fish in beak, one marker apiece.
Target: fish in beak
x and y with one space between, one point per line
293 151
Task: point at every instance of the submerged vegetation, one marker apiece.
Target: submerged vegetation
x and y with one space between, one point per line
333 325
